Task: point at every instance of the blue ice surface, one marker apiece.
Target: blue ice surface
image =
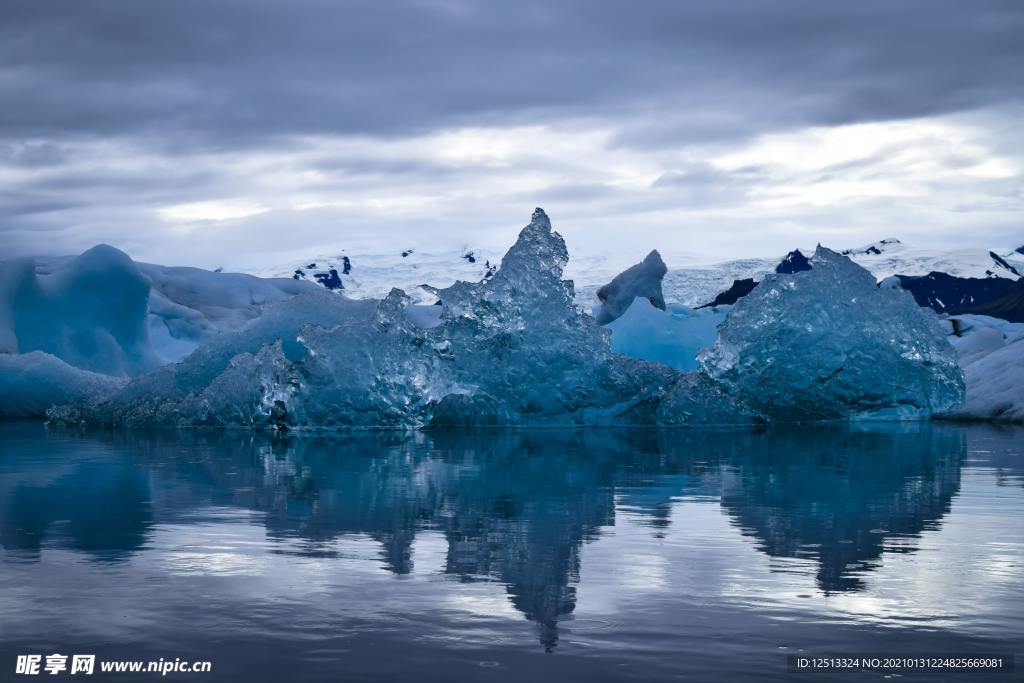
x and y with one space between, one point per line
673 337
90 314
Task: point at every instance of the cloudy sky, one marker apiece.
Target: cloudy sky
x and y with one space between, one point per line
239 132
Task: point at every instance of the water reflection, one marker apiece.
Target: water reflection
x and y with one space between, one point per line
515 507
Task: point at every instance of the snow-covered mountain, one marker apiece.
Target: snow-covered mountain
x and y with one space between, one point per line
372 275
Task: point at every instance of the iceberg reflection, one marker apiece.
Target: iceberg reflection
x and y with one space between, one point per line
512 506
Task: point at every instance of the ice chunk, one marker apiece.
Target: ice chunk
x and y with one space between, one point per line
229 380
673 336
696 400
32 382
991 353
102 312
641 280
90 312
512 349
828 344
188 306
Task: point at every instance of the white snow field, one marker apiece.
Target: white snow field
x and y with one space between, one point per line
464 338
688 282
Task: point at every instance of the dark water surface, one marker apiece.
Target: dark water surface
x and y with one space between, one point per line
519 555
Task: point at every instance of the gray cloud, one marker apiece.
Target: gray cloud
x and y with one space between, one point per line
237 72
113 110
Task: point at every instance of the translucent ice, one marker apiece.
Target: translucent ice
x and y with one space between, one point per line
673 336
828 344
231 380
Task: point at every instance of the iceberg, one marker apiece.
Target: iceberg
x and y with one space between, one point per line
231 379
189 306
512 349
515 349
72 330
991 352
90 313
102 312
829 344
642 280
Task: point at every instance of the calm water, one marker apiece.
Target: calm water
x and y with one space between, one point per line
543 555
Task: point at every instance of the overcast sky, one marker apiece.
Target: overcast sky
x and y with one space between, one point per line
239 132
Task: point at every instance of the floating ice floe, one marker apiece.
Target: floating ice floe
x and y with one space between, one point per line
30 383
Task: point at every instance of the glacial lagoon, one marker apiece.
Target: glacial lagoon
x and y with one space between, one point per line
510 555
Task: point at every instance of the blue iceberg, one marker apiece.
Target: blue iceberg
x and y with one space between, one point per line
827 343
514 349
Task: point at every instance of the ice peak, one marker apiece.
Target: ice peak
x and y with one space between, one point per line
654 259
538 246
842 265
642 280
825 253
540 218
